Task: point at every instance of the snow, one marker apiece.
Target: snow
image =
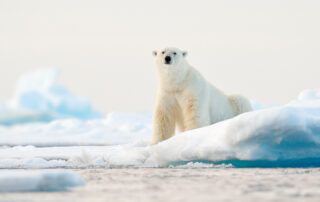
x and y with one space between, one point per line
277 135
64 131
38 98
287 136
26 181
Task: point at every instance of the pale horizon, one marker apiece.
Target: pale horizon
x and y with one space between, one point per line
267 51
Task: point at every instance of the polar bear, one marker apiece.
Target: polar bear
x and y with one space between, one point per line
186 100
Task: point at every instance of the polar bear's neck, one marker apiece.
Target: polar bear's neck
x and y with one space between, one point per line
174 78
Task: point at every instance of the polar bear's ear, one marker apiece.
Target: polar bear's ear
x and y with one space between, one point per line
184 53
154 53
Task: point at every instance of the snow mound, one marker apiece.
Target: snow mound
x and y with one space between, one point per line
31 181
39 99
269 137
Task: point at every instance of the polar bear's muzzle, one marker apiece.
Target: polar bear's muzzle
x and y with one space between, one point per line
167 60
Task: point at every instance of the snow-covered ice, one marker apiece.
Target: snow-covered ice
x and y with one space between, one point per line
286 136
278 136
44 180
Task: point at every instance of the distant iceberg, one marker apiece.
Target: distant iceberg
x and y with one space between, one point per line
38 98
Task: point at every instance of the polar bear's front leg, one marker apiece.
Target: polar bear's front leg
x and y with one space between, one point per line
190 114
163 122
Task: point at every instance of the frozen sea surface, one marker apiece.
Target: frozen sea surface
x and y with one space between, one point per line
181 185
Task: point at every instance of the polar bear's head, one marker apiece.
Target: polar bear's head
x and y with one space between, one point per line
169 56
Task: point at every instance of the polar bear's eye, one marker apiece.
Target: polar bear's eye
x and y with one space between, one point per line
174 53
163 52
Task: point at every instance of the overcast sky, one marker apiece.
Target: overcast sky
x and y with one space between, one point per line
266 50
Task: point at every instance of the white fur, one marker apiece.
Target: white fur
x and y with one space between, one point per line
186 100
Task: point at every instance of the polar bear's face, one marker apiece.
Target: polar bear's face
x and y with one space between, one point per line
169 56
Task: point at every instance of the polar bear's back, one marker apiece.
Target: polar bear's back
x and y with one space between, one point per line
220 106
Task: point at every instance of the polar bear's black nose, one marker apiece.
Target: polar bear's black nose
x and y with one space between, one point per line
167 59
